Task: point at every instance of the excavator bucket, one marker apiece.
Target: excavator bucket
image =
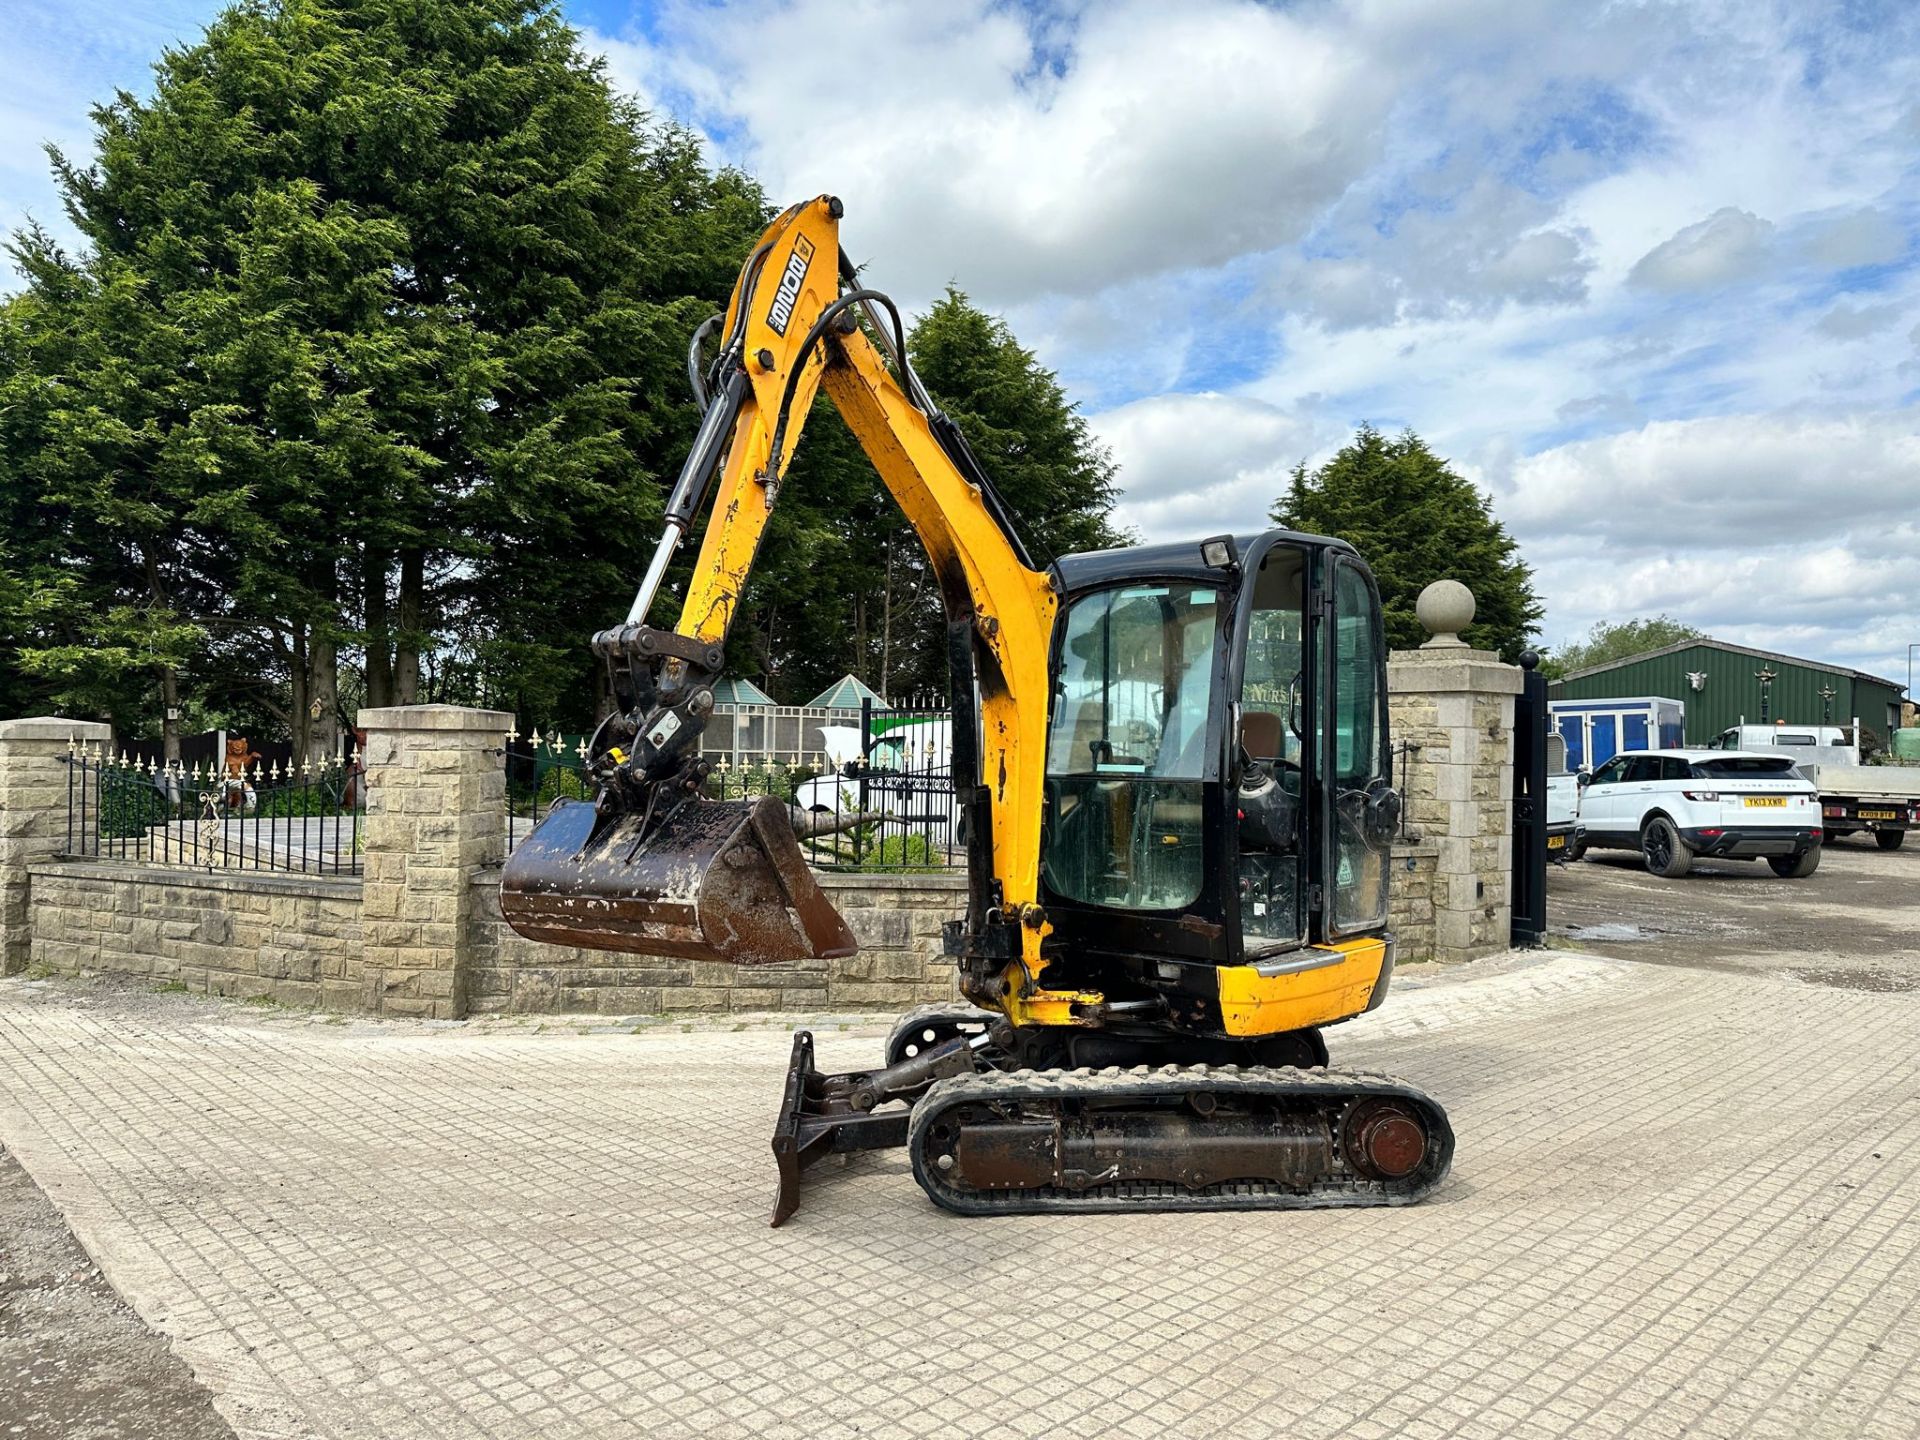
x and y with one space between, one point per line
716 880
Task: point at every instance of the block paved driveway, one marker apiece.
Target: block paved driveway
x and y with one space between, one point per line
1684 1203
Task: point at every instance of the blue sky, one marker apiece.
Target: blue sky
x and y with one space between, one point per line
1645 270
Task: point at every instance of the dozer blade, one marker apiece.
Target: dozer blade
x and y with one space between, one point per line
815 1121
716 880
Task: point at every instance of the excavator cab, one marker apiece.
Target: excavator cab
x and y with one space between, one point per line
1218 778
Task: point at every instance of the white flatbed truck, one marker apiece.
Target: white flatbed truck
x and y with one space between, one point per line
1883 800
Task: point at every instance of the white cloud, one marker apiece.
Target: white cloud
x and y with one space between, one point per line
1850 322
1489 245
1642 270
1204 464
1730 482
1867 236
1767 529
1176 136
1728 245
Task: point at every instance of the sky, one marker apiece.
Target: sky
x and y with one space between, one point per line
1645 271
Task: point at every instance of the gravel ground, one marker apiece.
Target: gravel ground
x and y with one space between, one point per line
1852 924
75 1361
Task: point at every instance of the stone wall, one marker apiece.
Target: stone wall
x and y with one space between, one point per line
1410 900
436 799
291 938
896 919
422 934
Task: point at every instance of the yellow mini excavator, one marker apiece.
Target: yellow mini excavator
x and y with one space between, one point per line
1174 778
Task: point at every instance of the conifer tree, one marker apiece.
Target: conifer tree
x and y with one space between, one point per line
1415 521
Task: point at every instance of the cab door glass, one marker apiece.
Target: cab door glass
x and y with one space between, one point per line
1355 754
1272 685
1128 747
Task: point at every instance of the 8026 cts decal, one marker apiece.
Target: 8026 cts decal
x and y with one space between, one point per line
780 313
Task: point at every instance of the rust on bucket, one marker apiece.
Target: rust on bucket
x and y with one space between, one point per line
715 880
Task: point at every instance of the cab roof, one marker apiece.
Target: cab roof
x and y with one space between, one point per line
1178 560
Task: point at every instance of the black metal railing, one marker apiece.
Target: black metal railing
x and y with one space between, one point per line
889 808
541 769
302 820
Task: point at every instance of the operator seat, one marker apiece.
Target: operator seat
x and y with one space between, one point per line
1261 735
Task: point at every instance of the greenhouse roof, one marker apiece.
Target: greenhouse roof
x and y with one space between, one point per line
846 693
732 691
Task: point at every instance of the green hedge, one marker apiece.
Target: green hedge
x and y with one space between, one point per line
902 855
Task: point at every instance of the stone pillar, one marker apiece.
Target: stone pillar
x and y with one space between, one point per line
33 814
436 811
1454 705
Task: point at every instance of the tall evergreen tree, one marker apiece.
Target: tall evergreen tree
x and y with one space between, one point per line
366 379
388 300
1058 481
1415 521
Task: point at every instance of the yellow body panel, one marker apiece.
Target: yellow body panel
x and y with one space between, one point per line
981 575
805 238
1013 609
1256 1004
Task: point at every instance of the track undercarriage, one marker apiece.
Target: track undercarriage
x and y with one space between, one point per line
987 1135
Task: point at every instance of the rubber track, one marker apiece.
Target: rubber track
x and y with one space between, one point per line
1334 1089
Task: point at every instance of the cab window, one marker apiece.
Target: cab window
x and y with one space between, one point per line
1272 702
1358 761
1128 746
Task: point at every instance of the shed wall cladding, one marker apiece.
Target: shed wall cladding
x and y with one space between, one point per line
1732 691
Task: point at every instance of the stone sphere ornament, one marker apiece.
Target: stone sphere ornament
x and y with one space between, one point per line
1444 609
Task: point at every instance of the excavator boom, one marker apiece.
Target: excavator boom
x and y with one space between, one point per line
653 865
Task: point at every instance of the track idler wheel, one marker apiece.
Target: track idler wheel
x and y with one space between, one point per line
1383 1140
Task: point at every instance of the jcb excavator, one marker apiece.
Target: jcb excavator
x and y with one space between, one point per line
1173 772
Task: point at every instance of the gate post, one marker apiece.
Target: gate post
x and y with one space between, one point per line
1530 806
33 813
1456 705
436 811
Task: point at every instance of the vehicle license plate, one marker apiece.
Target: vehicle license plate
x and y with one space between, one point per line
1766 802
1556 842
1879 815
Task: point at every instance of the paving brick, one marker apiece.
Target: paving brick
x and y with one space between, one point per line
1684 1202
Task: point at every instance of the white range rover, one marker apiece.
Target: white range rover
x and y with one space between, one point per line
1675 805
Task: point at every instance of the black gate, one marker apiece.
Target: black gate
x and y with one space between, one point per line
1529 883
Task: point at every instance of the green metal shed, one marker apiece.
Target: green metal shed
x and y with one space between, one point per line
1722 685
